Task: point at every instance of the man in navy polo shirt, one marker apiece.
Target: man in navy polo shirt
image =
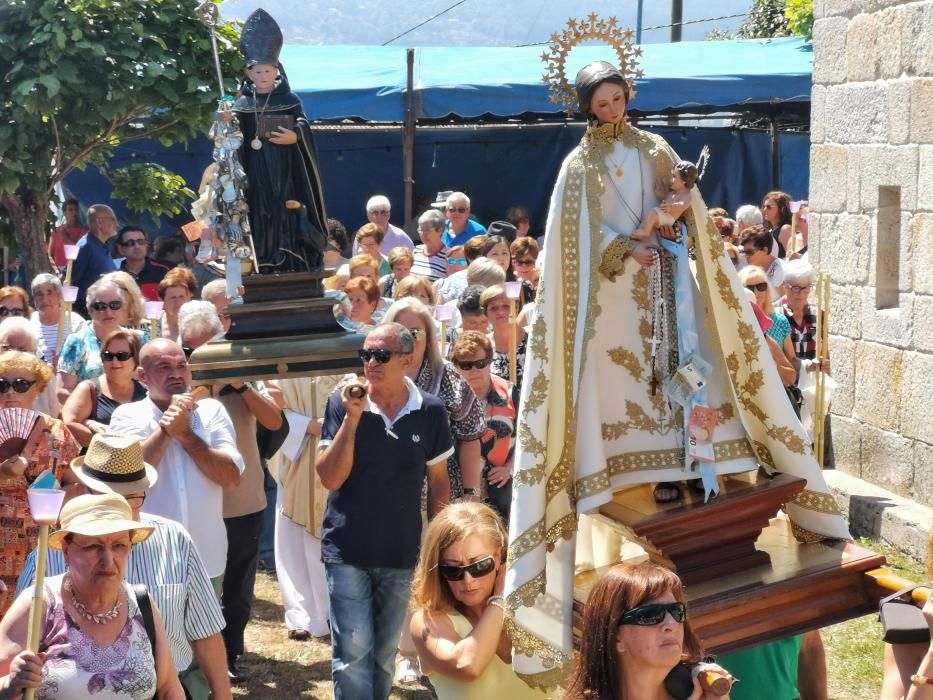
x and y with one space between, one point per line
94 258
375 450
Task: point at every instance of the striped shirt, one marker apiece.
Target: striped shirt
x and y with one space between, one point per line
169 565
430 268
48 341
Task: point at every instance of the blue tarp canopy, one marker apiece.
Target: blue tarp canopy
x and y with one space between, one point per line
369 82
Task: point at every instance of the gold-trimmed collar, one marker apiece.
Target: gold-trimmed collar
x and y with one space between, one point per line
604 133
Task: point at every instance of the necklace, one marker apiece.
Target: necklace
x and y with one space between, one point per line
256 143
619 171
96 618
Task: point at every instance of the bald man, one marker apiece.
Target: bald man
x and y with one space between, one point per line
192 445
94 257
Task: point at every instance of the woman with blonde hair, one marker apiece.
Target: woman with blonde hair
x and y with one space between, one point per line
458 608
417 287
135 311
755 279
400 262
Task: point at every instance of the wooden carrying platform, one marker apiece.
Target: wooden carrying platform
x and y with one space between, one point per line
744 596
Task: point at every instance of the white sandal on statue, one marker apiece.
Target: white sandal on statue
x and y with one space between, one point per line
407 670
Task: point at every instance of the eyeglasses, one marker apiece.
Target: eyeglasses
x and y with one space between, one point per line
136 499
654 614
757 286
478 569
467 365
457 261
380 212
749 252
459 210
798 290
122 356
114 305
130 242
4 312
380 355
19 385
524 262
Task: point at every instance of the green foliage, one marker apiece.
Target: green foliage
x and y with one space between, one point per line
799 14
148 187
718 35
765 20
79 77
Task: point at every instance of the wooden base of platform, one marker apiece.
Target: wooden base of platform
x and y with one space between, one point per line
703 541
802 587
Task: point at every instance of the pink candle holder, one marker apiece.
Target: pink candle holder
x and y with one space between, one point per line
794 207
44 504
69 294
443 312
513 290
153 310
71 252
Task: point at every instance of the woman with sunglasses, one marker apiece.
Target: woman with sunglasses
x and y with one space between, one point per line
635 632
755 280
13 302
90 406
80 357
49 445
472 356
457 625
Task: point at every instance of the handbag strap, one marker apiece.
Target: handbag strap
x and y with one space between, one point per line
145 608
903 592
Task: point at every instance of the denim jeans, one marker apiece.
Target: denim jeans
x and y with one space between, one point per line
267 538
367 609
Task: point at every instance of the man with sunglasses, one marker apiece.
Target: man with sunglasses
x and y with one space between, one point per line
379 440
94 258
133 245
460 227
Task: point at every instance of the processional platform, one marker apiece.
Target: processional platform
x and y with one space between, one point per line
782 588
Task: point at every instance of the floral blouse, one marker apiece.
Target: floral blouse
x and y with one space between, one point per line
500 362
81 353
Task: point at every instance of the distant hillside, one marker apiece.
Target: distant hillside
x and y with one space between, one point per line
474 23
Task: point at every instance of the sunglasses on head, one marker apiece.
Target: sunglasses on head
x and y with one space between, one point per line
115 305
757 286
20 386
472 364
478 569
4 311
380 355
654 614
459 210
122 356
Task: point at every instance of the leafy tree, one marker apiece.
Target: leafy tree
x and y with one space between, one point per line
80 77
765 19
799 15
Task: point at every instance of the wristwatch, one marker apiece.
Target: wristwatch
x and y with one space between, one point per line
472 492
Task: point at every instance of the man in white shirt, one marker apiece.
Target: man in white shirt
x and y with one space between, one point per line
378 211
192 445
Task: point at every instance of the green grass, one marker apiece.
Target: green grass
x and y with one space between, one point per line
854 650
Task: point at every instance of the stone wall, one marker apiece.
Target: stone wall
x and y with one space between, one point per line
871 194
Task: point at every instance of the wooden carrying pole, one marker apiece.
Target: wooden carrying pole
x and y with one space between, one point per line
822 354
513 341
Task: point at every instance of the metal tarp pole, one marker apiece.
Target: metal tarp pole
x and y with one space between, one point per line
409 143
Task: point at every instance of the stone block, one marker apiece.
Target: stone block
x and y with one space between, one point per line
844 8
891 49
819 9
817 114
923 473
925 179
879 370
887 166
847 443
828 189
853 182
898 97
923 323
893 326
921 108
829 49
915 396
815 240
863 36
845 316
857 113
887 460
921 237
847 248
842 355
917 28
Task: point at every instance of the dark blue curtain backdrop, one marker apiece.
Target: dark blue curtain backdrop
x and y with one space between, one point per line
497 167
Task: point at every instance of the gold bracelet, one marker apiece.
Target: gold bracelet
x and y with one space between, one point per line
917 679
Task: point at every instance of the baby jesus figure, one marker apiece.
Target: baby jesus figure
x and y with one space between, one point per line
673 204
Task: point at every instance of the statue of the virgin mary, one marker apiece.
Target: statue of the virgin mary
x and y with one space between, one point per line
616 321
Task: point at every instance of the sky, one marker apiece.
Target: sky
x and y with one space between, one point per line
472 22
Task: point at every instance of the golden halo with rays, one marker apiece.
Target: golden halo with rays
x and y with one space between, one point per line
605 30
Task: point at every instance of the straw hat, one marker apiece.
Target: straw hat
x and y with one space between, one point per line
114 464
95 515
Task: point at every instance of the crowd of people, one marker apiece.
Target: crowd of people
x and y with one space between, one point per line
356 465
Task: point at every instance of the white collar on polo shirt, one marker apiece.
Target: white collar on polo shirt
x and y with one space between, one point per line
413 404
